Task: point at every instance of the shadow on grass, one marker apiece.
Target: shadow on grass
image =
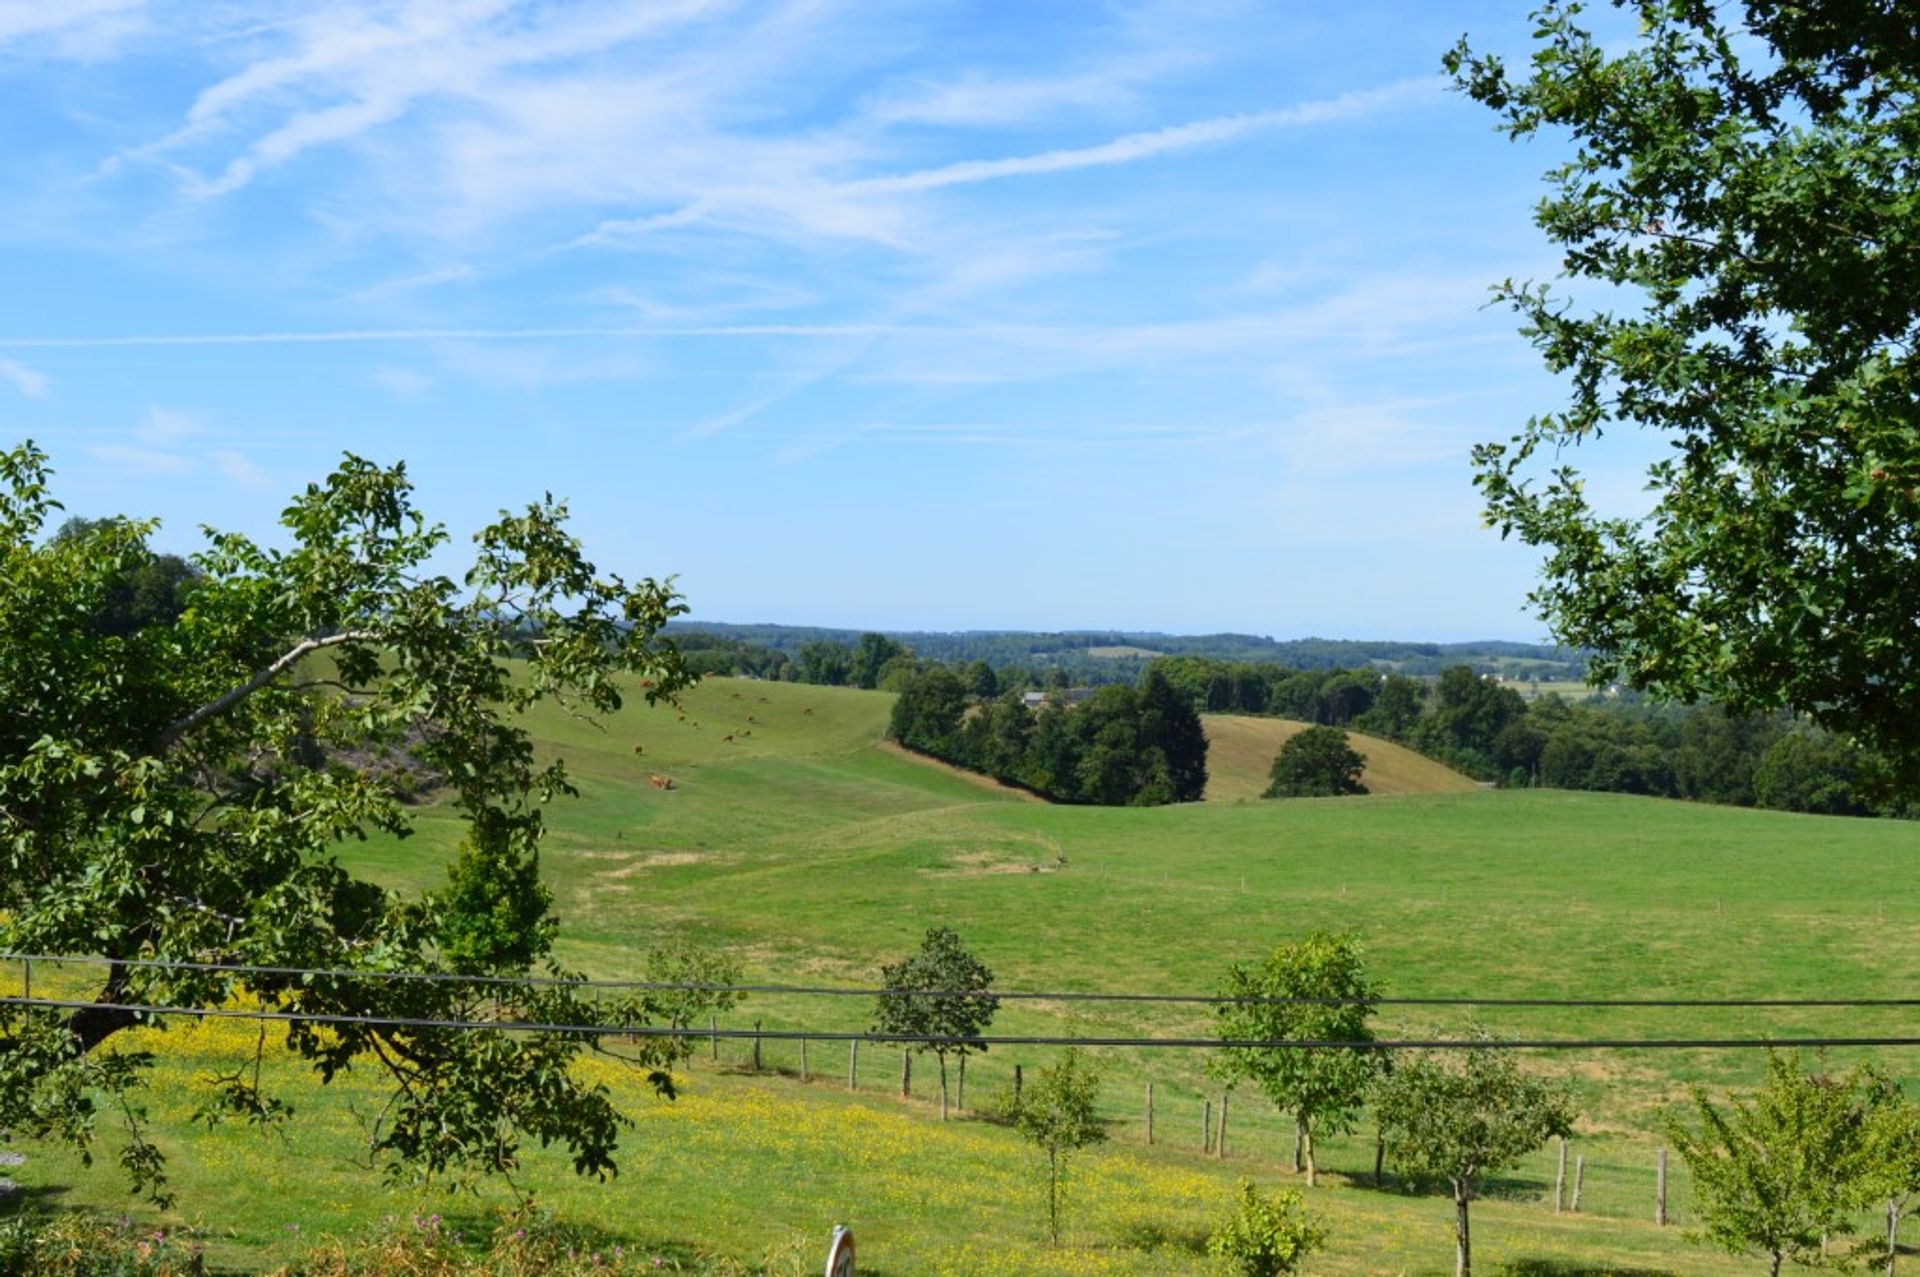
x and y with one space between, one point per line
1574 1268
1499 1189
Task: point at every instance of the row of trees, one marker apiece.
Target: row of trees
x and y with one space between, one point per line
1124 746
1620 745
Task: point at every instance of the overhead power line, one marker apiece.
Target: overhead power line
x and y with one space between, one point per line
925 1039
1197 999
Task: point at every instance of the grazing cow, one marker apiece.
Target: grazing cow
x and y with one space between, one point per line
660 782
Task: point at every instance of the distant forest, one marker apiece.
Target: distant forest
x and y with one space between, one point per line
1093 658
1123 747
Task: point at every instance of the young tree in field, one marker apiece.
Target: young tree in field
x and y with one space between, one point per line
1314 990
1892 1158
951 1000
1737 210
1265 1236
1056 1112
1316 763
1458 1122
178 783
1783 1173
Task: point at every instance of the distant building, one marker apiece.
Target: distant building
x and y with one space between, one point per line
1068 695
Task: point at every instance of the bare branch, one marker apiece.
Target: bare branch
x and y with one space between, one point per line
306 647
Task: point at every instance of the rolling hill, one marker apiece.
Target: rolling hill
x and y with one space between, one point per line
1240 750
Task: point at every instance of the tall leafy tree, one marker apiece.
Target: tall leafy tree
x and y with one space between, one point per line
870 657
949 998
1317 990
178 784
1459 1122
1740 217
1316 763
1169 724
1783 1173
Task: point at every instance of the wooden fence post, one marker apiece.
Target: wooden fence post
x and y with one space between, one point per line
803 1060
1579 1179
1206 1128
1660 1191
1220 1140
906 1074
713 1037
1560 1178
756 1046
853 1064
960 1093
1017 1081
1149 1114
1299 1140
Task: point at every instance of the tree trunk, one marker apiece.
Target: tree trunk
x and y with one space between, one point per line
1379 1156
1298 1165
960 1091
1774 1271
90 1026
1313 1170
1463 1237
943 1088
1893 1232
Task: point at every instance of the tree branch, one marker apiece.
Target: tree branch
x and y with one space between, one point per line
181 726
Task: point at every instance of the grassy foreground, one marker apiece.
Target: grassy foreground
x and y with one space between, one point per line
812 853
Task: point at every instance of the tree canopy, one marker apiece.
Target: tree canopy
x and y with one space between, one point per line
950 998
1462 1121
1316 763
1741 219
176 785
1315 989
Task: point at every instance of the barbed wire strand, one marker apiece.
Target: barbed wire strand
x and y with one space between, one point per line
665 986
984 1040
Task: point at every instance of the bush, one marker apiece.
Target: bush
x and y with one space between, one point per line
77 1245
1265 1236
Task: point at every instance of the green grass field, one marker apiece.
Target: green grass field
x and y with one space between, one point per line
814 854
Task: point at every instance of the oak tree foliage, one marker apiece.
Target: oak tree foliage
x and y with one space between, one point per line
180 775
1739 220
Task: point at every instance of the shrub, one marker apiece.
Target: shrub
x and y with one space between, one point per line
1265 1236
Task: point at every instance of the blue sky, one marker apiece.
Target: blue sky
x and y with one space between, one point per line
922 315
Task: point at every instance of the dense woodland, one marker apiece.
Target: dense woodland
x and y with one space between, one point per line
1612 743
1092 658
1103 750
1122 747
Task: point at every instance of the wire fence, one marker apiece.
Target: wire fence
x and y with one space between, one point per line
1176 1111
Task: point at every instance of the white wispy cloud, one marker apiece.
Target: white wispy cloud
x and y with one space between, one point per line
71 28
858 208
234 467
163 427
28 381
1134 147
142 460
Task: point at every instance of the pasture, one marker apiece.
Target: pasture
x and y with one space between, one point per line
793 840
1240 750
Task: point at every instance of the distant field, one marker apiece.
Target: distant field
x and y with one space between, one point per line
1572 691
1116 653
813 854
1240 750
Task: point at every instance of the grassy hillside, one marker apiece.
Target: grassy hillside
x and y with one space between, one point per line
1240 750
814 854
